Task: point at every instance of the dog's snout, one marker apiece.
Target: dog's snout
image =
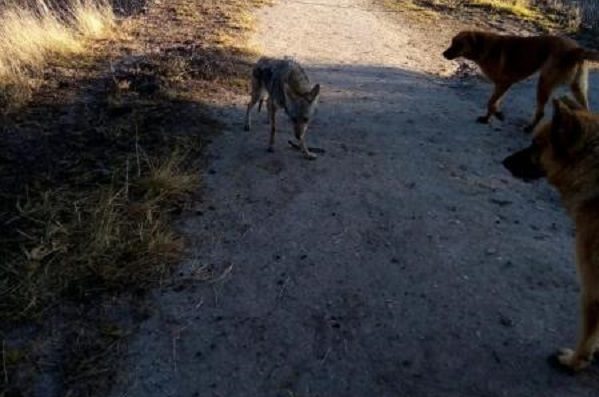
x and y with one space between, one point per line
449 54
510 163
524 164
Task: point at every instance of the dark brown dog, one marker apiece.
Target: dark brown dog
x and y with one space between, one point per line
566 150
506 60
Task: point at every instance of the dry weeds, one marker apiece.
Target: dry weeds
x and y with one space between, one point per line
94 170
544 15
33 36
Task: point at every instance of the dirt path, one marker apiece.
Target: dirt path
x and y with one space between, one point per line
403 262
349 32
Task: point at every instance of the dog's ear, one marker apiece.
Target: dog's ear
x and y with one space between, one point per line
314 92
566 128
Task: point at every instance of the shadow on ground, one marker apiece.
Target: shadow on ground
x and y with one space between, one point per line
85 214
404 261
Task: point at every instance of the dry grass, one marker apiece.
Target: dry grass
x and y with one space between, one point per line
93 19
95 225
419 11
520 8
167 180
240 20
93 171
74 242
30 37
544 15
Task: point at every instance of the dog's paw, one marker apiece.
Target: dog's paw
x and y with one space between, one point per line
246 127
294 145
310 156
553 361
568 359
270 149
500 116
482 120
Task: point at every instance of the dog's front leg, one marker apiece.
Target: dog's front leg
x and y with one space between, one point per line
589 316
582 356
272 112
539 114
545 87
307 153
493 104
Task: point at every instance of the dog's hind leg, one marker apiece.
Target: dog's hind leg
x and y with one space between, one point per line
256 96
272 112
493 104
544 90
580 86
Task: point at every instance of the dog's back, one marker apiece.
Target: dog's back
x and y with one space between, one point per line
271 74
513 58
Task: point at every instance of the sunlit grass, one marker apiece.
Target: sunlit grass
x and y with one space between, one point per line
520 8
31 36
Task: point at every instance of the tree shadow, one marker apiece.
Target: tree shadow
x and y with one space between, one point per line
80 134
102 129
429 181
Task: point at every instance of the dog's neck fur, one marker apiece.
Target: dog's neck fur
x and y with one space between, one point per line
299 82
574 192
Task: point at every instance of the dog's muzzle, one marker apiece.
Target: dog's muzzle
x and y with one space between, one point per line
525 164
449 54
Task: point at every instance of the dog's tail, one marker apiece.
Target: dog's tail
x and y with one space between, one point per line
261 76
590 55
581 54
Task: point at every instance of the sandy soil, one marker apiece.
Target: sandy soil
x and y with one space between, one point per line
405 261
350 32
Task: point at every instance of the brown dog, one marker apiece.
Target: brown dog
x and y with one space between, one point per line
566 150
506 60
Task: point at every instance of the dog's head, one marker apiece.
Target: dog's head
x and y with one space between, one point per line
562 143
525 164
301 107
465 44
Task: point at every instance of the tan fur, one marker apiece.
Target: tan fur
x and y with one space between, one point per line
506 60
569 154
286 85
